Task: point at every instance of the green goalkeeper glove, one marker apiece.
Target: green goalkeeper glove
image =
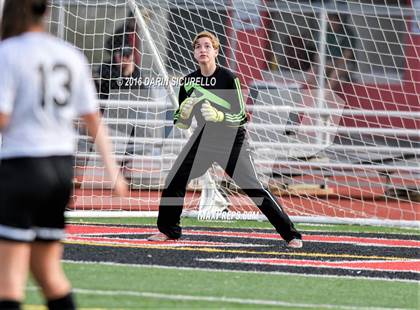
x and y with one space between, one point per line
211 114
186 107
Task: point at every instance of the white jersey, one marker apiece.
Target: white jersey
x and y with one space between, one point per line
44 84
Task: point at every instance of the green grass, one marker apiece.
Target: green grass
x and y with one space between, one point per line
252 224
295 290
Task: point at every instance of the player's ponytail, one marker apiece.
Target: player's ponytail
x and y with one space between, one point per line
18 16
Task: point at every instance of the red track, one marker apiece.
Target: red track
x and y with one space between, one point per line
336 206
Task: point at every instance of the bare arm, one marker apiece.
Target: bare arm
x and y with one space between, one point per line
4 121
99 133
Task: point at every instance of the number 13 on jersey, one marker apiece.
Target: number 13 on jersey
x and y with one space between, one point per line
56 85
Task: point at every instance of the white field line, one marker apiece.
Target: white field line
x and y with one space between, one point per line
272 273
261 302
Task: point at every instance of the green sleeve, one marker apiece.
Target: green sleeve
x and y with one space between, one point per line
236 115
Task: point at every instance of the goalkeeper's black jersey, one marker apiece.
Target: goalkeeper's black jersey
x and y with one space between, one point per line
222 90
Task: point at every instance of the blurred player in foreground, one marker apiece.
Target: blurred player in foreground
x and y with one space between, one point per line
44 84
213 96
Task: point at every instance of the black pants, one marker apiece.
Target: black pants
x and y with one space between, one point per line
195 159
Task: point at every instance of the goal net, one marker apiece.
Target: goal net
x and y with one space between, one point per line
332 91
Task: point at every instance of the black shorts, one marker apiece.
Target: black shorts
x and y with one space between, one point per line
34 193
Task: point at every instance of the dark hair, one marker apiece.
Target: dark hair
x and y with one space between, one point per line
124 51
18 16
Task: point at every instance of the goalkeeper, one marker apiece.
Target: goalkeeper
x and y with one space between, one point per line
213 96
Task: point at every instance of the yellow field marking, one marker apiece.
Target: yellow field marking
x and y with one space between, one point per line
248 252
42 307
34 307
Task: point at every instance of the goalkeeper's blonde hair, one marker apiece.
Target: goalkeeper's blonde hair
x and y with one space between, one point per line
207 34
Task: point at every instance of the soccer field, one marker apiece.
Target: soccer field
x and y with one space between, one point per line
283 134
223 266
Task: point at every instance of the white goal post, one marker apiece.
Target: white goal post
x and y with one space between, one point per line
341 148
